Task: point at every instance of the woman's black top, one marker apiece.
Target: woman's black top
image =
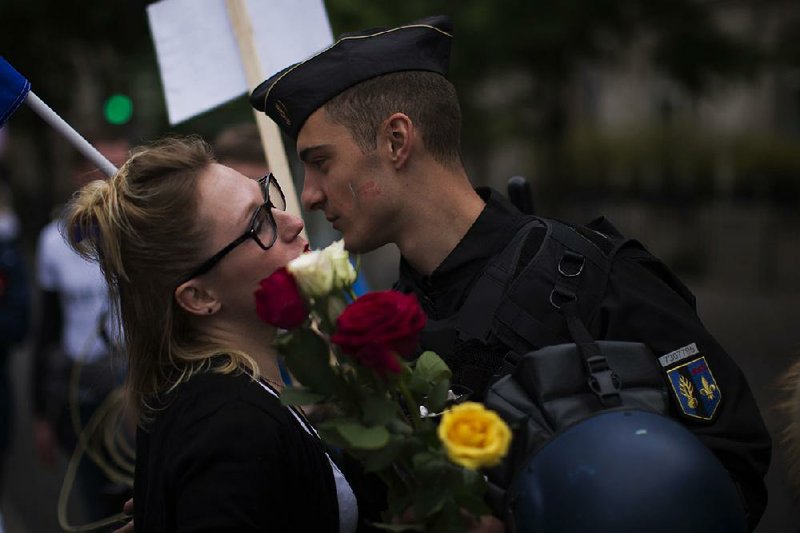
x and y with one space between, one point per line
225 456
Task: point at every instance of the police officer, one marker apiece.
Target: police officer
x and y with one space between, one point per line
377 126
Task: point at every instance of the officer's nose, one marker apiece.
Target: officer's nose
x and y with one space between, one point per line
312 196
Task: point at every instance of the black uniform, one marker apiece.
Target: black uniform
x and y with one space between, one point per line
639 306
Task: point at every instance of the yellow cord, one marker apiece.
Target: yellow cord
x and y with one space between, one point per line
109 405
108 417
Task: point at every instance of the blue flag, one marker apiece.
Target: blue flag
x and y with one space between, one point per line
13 90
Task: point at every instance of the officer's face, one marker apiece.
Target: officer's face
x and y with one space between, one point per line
354 189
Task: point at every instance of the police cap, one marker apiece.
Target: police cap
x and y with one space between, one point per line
293 94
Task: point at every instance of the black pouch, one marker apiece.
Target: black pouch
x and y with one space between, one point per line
550 390
557 386
556 379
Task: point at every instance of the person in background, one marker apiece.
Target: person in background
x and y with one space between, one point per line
14 313
74 332
239 147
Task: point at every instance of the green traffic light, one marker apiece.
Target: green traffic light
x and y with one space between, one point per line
118 109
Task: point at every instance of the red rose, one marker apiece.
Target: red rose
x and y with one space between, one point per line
379 358
389 319
278 300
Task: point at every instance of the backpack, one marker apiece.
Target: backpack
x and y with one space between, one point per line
529 320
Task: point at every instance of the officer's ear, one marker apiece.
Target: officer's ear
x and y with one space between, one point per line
396 138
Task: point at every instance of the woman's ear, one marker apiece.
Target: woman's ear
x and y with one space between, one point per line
398 132
193 297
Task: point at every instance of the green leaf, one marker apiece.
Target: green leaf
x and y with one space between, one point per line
437 397
448 520
332 437
469 492
429 500
379 411
430 464
430 363
399 427
357 436
428 436
399 500
429 369
473 503
307 357
383 457
300 396
473 480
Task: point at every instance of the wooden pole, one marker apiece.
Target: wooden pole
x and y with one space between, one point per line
270 134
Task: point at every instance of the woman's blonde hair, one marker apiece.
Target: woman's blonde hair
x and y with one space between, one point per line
142 227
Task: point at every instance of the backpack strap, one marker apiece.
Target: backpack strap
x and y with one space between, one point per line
476 316
602 380
525 320
508 304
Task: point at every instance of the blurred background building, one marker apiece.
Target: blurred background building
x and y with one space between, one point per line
677 119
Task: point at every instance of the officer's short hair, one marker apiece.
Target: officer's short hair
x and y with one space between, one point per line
428 99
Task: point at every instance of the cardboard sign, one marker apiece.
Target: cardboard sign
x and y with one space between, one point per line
198 56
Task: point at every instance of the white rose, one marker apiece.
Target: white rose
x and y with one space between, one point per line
344 275
313 273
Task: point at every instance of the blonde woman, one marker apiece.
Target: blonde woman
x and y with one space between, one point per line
183 242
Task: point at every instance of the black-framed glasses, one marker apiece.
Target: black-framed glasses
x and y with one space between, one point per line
262 228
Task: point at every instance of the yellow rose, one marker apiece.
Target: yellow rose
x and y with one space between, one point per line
344 274
313 274
474 436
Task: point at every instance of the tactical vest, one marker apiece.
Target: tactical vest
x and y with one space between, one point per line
524 339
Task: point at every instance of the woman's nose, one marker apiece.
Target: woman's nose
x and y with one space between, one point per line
289 225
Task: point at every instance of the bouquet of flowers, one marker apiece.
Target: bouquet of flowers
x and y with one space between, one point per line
353 355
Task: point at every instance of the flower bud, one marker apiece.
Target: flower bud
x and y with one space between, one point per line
313 274
344 275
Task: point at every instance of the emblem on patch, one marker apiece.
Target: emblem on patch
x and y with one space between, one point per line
695 388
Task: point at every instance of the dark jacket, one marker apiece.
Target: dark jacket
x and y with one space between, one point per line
14 314
225 456
639 306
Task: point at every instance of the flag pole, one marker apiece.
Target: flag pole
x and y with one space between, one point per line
268 130
75 138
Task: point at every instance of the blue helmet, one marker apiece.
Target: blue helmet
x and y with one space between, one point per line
625 471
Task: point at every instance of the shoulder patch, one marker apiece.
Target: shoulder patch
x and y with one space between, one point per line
695 389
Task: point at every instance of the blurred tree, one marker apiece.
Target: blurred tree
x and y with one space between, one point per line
547 41
109 40
76 55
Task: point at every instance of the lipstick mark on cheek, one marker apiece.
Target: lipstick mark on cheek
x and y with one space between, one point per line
369 189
